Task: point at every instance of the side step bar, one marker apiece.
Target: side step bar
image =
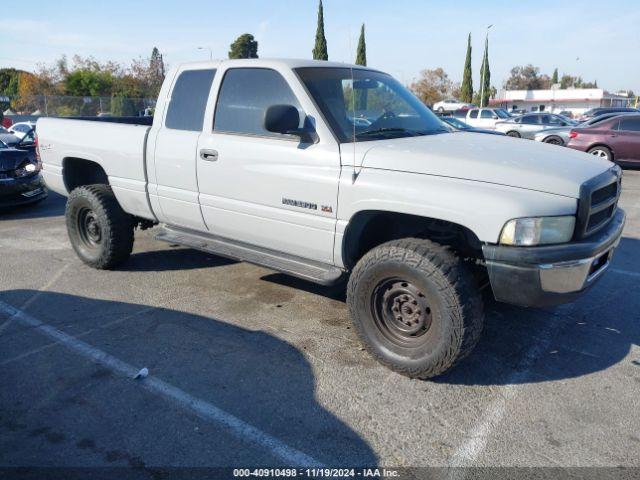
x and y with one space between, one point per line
316 272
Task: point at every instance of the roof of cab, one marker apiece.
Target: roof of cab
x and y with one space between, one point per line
271 63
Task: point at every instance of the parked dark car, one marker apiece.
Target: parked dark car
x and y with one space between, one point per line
560 135
596 112
616 139
20 179
458 124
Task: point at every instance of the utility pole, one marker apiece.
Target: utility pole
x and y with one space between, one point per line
486 42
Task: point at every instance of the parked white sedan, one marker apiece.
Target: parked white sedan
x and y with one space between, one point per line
20 129
451 105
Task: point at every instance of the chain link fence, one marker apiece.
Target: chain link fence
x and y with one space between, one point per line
68 106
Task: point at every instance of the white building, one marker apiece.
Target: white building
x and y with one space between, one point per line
555 100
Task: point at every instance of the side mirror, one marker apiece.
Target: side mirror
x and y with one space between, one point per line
284 119
281 119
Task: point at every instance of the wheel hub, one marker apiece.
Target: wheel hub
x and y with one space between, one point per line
89 228
401 310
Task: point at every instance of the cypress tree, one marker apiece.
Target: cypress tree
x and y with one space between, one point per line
320 49
554 77
485 76
361 56
361 59
466 89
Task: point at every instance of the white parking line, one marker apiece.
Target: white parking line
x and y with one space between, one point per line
203 409
82 334
476 440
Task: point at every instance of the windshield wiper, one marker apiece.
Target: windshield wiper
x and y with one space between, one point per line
386 130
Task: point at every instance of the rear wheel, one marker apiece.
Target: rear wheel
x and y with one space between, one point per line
415 307
513 133
100 232
602 152
554 140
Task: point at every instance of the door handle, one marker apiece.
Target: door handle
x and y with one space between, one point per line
208 155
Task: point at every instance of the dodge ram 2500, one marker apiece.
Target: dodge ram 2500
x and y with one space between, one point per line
328 172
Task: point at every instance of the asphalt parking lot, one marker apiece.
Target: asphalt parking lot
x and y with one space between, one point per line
252 368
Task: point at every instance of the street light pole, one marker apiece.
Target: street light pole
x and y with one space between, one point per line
486 42
210 51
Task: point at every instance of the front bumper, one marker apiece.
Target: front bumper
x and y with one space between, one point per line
552 274
21 191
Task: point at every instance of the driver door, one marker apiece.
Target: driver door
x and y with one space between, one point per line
263 188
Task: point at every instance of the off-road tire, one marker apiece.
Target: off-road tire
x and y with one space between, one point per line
456 310
112 241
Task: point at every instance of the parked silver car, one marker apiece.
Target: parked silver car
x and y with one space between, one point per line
527 125
560 135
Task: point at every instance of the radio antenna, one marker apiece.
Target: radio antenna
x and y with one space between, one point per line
354 174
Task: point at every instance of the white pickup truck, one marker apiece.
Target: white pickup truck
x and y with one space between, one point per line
486 117
264 161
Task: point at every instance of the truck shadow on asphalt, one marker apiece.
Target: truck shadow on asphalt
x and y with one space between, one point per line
252 375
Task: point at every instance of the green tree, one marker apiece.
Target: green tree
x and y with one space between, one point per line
245 46
320 49
361 56
9 80
527 78
466 89
88 83
554 77
485 76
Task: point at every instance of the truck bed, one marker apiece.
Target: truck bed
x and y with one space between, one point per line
115 143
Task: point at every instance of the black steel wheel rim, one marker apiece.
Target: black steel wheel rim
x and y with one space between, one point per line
89 228
401 312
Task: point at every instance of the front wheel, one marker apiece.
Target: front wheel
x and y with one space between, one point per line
602 152
100 232
415 307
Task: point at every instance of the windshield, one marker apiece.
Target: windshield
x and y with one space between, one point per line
3 145
502 113
372 105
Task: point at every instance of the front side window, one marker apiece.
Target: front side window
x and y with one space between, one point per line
347 95
189 100
245 95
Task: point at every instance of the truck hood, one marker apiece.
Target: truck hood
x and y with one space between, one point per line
488 158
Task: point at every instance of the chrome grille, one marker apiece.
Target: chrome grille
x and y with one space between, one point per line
598 202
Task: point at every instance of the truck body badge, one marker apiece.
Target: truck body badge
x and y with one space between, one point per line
299 203
327 208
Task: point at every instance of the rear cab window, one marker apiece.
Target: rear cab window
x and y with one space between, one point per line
473 114
189 100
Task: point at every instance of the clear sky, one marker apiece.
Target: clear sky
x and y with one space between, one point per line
598 40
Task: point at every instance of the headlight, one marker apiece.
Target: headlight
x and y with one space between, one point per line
538 231
26 168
